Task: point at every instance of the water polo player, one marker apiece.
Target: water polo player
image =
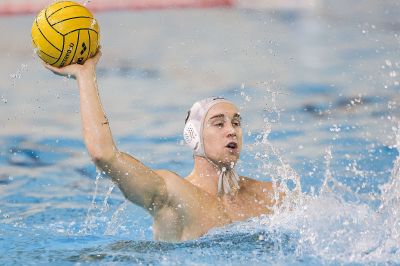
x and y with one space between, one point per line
212 195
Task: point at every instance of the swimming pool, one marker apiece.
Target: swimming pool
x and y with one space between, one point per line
319 92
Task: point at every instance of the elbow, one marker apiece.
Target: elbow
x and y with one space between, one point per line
102 158
97 158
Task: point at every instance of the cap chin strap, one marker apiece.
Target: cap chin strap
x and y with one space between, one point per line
228 179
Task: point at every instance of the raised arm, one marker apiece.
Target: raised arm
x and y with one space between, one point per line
139 184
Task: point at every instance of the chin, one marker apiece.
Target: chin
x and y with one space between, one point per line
227 161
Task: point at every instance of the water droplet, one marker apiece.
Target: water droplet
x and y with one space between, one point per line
94 22
18 74
334 128
4 99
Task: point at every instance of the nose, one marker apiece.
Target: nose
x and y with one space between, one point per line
231 131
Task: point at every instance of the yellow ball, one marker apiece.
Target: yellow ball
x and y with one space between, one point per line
65 33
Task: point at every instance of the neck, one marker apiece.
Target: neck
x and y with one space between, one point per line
205 175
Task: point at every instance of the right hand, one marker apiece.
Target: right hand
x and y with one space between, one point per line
74 70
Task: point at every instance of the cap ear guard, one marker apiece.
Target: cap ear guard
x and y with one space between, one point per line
192 133
191 136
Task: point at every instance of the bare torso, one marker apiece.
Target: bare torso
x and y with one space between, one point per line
191 212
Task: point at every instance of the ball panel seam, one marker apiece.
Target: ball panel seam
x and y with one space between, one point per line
39 53
53 28
82 29
90 46
60 9
61 53
76 48
45 36
69 19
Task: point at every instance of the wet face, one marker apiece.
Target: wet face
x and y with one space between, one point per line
222 134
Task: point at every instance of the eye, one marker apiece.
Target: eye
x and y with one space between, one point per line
220 124
236 123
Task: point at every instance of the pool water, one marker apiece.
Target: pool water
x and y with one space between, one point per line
318 88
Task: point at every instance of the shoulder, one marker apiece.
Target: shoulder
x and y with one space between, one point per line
186 199
260 191
174 182
166 173
181 191
255 186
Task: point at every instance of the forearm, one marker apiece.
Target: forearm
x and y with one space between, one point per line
96 131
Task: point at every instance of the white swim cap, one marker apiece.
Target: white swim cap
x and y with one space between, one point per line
193 131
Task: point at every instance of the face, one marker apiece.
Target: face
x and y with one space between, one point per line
222 134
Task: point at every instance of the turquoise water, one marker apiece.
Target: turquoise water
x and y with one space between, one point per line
318 88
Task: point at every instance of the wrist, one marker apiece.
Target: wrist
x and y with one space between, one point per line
85 72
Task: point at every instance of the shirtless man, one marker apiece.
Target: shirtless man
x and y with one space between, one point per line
182 208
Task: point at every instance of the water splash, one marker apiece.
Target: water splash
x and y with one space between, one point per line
285 180
335 224
114 223
108 194
90 221
86 2
389 207
331 228
97 216
18 74
325 188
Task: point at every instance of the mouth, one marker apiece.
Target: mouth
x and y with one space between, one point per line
232 146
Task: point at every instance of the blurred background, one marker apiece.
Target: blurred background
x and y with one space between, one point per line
317 83
311 68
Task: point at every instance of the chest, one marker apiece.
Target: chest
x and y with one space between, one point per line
245 207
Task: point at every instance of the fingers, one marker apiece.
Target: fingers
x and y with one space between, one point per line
55 70
58 71
48 66
74 69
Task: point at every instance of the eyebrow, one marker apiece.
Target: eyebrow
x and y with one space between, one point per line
236 115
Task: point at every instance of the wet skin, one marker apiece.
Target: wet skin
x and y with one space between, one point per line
182 208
